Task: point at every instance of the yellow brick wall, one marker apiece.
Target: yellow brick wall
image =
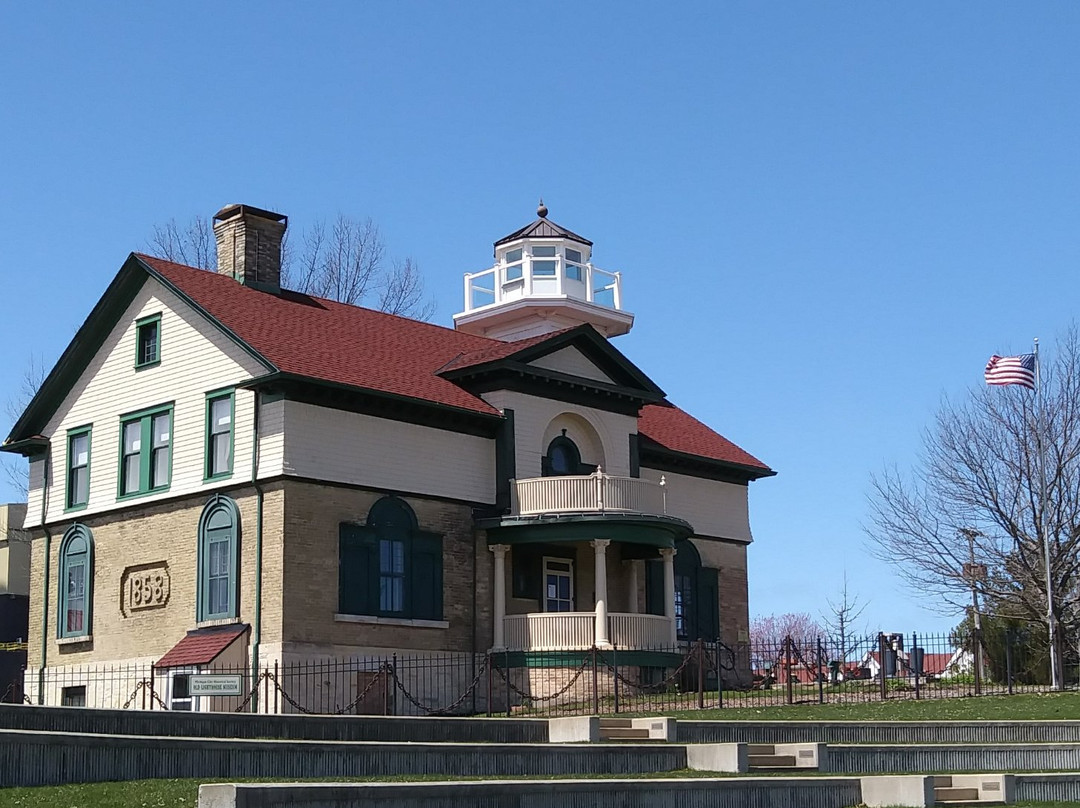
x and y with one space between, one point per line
313 513
163 534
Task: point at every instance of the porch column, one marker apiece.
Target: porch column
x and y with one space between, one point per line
499 589
668 554
601 635
632 579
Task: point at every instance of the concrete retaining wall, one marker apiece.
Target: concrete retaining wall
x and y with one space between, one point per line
760 792
46 758
247 725
864 758
1047 787
878 732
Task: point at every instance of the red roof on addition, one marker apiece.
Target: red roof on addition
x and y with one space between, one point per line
201 646
679 431
351 345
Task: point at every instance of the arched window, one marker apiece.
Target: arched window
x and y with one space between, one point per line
76 582
564 459
219 550
388 566
697 597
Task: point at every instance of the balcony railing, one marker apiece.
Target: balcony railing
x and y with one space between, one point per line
592 493
576 631
498 285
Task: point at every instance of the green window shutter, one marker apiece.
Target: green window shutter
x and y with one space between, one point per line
358 570
708 604
426 577
654 587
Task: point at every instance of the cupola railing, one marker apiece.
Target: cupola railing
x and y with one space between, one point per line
534 278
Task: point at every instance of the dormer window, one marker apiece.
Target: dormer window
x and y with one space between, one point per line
513 265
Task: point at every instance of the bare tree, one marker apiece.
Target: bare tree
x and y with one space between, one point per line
33 375
975 498
192 245
840 621
346 262
773 628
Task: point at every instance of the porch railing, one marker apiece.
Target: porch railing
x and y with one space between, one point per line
576 631
598 492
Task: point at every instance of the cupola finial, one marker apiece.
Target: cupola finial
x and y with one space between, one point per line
541 209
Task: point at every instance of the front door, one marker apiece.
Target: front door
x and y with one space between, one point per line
558 585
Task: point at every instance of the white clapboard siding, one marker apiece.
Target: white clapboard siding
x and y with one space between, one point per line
533 416
346 447
715 509
572 361
272 439
196 358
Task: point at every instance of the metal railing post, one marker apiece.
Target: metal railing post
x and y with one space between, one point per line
820 674
595 685
881 667
977 635
1009 659
917 658
615 676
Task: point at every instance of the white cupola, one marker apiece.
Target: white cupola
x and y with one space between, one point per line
543 281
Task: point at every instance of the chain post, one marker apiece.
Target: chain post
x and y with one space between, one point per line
787 669
1009 659
719 678
506 677
820 673
595 685
615 677
881 667
142 699
277 688
977 635
490 672
700 674
918 659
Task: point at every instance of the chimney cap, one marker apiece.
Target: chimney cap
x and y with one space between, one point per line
231 211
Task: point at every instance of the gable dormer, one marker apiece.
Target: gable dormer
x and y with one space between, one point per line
543 281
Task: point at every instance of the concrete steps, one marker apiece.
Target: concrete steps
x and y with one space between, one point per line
948 792
764 757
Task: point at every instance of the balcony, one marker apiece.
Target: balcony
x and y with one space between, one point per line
592 493
576 631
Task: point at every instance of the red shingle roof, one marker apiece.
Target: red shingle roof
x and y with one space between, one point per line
679 431
335 342
201 646
359 347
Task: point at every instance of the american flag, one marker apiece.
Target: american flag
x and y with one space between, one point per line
1011 370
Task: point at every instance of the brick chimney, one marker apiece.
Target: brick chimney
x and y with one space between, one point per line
249 245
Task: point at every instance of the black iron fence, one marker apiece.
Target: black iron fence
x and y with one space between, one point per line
688 676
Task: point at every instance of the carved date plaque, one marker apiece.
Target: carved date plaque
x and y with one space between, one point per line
145 587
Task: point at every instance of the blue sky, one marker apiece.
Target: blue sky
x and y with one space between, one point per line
827 215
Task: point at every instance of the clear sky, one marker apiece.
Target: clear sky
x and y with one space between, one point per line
828 215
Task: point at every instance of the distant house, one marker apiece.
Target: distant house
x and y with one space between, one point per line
934 666
14 600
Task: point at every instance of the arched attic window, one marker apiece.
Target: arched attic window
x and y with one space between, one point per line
218 557
563 459
76 582
388 567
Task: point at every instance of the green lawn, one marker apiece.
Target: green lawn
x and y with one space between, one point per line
1027 707
185 794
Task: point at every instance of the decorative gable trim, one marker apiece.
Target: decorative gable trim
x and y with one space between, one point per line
88 341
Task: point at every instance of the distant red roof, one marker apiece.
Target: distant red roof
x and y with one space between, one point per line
359 347
201 646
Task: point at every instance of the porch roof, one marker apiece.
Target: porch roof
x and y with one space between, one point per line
648 529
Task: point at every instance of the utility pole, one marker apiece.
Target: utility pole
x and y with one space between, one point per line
974 573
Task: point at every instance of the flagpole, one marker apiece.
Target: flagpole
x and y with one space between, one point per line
1051 623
